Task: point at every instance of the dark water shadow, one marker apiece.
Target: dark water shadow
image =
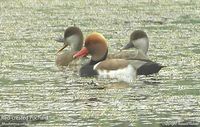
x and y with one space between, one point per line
110 85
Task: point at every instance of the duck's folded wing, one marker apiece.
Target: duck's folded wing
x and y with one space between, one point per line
128 55
111 64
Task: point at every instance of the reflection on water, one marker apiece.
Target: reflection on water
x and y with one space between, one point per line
32 84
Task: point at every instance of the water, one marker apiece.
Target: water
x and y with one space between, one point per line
32 85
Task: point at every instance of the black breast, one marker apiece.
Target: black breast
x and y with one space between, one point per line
87 71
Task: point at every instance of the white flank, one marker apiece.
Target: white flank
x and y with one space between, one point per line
127 74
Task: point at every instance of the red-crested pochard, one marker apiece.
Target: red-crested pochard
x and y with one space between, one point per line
139 59
96 45
73 37
138 40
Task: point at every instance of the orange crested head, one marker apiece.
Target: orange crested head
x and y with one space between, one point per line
95 45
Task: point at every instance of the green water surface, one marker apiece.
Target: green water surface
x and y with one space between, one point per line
30 82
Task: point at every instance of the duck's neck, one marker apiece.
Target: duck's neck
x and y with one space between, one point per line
142 44
93 62
140 55
75 42
76 47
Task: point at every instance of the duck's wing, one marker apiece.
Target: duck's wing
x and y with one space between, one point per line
128 55
111 64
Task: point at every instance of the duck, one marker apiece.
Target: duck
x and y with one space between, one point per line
143 66
99 66
140 41
73 37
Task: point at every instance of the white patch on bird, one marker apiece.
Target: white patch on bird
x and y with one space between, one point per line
142 43
73 41
127 74
95 66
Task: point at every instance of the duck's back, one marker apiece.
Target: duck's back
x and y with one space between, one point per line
128 55
64 58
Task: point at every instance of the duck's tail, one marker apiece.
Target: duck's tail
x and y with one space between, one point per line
161 66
